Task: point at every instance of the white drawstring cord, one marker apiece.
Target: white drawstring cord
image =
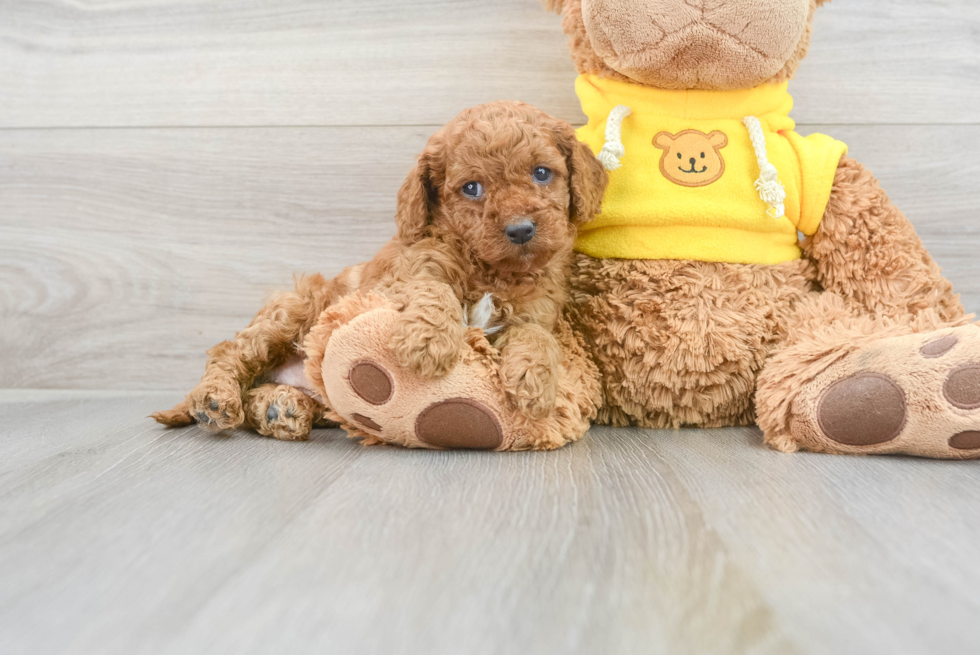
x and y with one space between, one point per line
613 149
770 189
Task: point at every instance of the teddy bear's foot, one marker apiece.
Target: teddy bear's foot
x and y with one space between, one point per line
382 402
281 411
917 394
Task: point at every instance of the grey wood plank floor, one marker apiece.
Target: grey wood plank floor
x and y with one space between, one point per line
120 537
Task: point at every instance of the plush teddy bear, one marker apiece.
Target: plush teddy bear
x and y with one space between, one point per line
692 289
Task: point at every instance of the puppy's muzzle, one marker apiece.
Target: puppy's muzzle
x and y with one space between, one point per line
520 233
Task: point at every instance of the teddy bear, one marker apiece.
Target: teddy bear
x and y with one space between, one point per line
693 290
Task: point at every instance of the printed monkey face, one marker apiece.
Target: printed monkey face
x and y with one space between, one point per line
692 158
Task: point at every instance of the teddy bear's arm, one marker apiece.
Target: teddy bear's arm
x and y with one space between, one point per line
867 251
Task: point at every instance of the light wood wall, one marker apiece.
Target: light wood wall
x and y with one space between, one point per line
166 164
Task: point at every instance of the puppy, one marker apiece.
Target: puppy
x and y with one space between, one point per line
491 207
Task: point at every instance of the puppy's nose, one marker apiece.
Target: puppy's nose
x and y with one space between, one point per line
694 162
520 233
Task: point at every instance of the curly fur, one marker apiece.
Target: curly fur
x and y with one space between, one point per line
450 250
681 343
867 250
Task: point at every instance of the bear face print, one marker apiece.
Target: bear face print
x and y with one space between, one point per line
692 158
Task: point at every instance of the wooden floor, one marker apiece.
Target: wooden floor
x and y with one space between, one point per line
166 164
120 537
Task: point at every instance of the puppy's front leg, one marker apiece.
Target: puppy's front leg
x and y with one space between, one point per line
530 360
428 338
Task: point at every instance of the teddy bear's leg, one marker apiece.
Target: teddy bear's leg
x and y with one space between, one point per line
681 343
281 411
355 369
851 383
884 361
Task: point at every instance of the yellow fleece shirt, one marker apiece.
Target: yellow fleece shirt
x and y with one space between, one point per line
686 185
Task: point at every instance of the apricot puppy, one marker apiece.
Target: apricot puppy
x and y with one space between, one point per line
491 207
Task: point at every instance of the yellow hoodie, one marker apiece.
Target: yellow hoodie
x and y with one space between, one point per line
689 182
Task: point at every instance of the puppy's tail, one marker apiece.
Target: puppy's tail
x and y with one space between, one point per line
177 417
483 315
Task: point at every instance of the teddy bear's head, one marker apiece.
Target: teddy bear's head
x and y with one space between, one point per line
689 44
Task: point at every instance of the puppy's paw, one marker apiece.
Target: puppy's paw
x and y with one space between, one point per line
282 412
217 404
531 385
428 349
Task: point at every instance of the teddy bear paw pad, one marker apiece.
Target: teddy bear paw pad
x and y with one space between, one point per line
366 422
917 394
969 440
385 402
939 347
962 387
863 410
459 423
371 382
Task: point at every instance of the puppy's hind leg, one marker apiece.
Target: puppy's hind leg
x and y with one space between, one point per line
217 402
282 411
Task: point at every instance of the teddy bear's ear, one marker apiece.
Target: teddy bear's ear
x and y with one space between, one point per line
664 140
556 5
718 140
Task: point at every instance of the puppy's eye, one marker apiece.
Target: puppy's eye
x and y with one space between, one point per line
542 175
473 190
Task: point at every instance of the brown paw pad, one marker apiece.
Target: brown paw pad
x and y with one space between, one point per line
366 422
939 347
459 423
863 410
371 382
962 388
965 441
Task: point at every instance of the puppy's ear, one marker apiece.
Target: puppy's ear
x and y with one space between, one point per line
416 197
554 5
586 176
